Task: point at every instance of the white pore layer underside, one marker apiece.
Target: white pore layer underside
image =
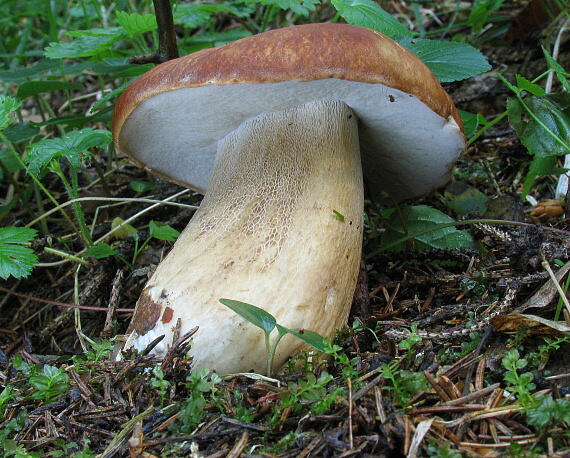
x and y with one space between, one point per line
404 144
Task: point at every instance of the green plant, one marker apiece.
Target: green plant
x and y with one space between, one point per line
158 382
157 230
441 450
547 411
405 384
72 449
267 323
310 392
550 346
542 123
191 412
348 366
49 383
409 342
240 411
519 383
16 259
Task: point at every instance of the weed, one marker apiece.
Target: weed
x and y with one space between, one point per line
49 383
519 383
311 393
158 382
550 346
405 384
441 450
191 412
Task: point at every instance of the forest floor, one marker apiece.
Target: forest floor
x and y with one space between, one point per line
435 359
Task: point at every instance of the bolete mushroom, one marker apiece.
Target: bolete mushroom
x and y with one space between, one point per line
273 129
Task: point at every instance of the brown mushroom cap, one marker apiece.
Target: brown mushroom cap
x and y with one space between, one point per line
170 119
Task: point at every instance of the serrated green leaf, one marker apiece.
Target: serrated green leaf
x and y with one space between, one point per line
311 338
16 260
89 43
31 88
19 235
100 251
419 219
7 106
558 70
528 86
251 313
74 146
366 13
448 60
162 231
542 123
135 23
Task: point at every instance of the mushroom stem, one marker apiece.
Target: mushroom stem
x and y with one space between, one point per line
280 228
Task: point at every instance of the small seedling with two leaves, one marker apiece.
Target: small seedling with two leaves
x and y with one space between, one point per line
267 323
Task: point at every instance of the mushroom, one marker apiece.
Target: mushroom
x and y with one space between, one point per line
273 129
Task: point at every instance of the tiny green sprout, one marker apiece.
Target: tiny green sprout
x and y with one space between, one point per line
339 216
267 323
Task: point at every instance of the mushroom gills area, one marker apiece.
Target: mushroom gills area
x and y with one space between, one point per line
280 228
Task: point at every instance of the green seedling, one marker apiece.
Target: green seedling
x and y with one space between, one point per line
519 383
267 323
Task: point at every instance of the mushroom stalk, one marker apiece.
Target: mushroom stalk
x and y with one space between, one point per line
280 227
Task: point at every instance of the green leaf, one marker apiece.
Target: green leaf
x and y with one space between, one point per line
74 146
135 23
366 13
300 7
21 74
162 231
140 186
471 122
251 313
89 43
100 251
480 13
311 338
37 87
20 132
448 60
125 231
542 123
7 106
10 161
540 166
218 39
528 86
16 260
419 219
558 70
192 15
465 199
